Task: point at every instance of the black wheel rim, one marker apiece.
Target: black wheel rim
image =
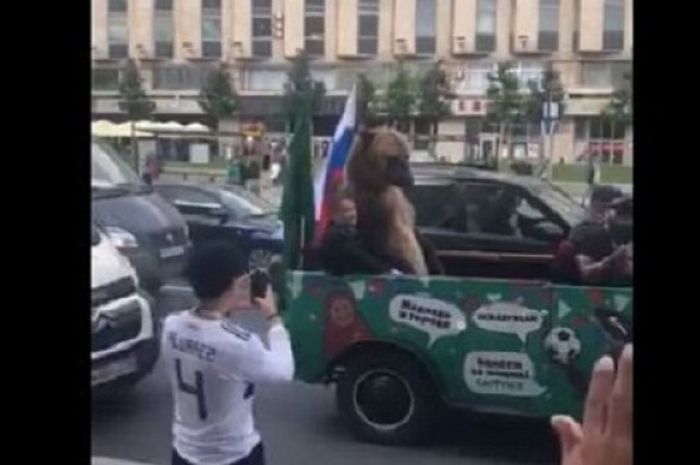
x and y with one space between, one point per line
383 399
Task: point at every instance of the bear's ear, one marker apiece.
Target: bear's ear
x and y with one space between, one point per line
367 138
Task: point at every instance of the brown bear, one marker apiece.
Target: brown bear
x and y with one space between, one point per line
378 171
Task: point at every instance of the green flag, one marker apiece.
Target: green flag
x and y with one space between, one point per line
297 198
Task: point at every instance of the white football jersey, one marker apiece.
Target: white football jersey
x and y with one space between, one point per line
213 367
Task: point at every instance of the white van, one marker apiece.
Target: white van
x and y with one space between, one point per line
124 334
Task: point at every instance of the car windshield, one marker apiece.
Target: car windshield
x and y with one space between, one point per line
245 203
110 172
562 203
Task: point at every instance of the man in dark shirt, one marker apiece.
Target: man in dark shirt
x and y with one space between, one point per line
343 251
599 258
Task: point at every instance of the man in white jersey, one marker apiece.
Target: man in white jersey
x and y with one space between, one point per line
214 364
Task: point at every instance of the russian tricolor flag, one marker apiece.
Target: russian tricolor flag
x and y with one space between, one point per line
332 172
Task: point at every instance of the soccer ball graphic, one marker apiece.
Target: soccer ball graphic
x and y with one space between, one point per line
563 345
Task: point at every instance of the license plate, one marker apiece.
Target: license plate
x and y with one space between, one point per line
114 370
169 252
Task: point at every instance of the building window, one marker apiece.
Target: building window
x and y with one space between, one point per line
117 29
548 35
599 138
527 71
314 27
265 80
425 27
474 78
614 25
211 28
262 28
485 25
180 77
604 74
163 28
422 129
329 78
105 79
368 27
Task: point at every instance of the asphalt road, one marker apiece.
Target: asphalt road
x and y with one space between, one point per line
300 426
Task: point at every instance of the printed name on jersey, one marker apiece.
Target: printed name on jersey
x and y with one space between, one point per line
236 330
191 346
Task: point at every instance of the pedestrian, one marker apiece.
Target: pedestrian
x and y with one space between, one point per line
599 258
214 365
152 169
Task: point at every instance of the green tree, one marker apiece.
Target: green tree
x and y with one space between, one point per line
619 109
366 100
548 88
433 94
400 98
218 98
134 102
506 106
300 86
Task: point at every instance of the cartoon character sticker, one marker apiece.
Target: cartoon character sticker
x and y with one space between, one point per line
343 325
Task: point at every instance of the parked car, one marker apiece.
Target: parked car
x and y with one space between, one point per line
490 224
232 214
143 225
124 331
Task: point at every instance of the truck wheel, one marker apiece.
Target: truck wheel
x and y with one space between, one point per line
388 398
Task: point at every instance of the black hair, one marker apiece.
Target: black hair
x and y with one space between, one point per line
212 267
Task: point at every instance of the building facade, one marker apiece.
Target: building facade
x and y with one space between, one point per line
177 42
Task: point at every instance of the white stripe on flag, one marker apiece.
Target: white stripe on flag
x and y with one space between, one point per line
347 122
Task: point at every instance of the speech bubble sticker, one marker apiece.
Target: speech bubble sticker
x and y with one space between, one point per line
501 373
563 308
297 284
435 317
358 288
621 302
493 297
508 317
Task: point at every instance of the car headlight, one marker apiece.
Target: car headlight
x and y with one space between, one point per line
121 238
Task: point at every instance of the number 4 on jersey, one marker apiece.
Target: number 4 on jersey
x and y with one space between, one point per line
196 390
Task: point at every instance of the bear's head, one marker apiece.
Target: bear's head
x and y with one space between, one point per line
379 158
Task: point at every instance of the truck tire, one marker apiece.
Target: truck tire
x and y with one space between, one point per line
388 397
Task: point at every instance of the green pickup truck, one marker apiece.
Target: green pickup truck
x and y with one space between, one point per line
400 348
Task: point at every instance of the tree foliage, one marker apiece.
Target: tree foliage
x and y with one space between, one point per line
133 99
433 94
400 96
301 86
506 104
619 109
549 87
217 97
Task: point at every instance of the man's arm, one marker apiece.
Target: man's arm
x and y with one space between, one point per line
590 271
254 362
593 272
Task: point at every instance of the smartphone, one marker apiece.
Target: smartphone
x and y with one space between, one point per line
259 281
